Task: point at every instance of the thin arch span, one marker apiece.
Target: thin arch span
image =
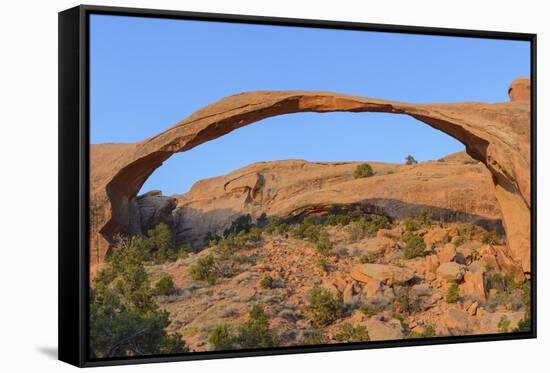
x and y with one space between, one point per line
495 134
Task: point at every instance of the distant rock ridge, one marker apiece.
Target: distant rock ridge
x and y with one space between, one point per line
455 188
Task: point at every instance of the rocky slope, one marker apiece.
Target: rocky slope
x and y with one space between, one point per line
383 292
454 188
498 135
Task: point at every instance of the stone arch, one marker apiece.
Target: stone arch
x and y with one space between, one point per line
496 134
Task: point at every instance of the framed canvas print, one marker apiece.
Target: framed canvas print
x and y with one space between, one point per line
198 219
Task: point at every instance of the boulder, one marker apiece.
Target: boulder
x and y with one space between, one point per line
450 272
329 285
436 236
384 330
474 285
386 273
464 255
339 281
151 209
456 320
446 253
349 295
378 244
421 290
497 257
472 310
378 302
431 263
372 288
394 234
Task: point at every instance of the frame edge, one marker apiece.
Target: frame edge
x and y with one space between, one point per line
69 248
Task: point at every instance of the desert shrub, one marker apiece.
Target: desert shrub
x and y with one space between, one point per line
211 239
504 324
124 319
338 219
312 233
459 240
254 235
414 245
266 282
323 264
316 336
363 170
231 243
452 295
272 226
410 160
411 225
306 227
428 332
242 223
220 338
472 231
405 302
370 257
524 325
158 245
163 242
349 333
398 316
255 332
323 244
422 219
502 283
368 311
467 230
491 238
376 223
355 231
323 308
390 172
244 259
276 225
165 286
364 227
184 251
204 269
283 228
262 220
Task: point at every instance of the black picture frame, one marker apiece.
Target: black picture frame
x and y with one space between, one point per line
74 189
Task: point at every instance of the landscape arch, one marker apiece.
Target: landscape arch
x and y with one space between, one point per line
498 135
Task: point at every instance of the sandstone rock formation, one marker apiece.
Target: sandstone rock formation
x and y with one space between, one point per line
454 188
496 134
520 90
388 274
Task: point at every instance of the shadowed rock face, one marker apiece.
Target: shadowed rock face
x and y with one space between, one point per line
498 135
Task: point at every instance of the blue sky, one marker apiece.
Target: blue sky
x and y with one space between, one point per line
147 74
